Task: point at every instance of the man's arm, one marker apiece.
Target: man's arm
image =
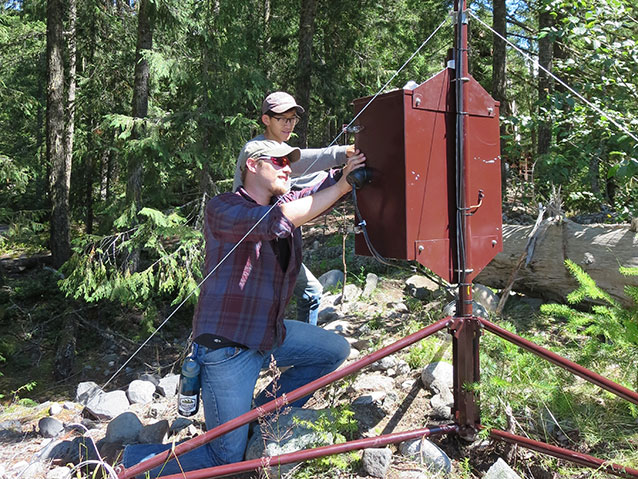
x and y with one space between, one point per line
304 209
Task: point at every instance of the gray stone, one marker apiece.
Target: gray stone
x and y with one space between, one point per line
125 428
371 284
342 327
500 470
485 297
441 371
68 405
267 441
370 398
441 409
427 453
331 279
167 386
376 462
59 473
180 423
106 406
351 293
421 287
86 391
373 382
140 392
384 363
26 470
50 427
154 433
55 409
151 378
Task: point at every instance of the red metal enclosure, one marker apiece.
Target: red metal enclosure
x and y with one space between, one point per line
408 137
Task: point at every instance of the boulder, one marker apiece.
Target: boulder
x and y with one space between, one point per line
441 371
50 427
500 470
428 454
140 392
106 406
124 429
376 462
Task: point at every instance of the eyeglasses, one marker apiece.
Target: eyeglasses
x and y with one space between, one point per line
287 121
280 161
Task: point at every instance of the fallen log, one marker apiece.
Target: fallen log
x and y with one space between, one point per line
599 249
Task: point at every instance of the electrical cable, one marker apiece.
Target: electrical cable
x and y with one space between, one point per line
271 208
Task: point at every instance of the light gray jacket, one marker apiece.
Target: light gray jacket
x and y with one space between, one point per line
314 160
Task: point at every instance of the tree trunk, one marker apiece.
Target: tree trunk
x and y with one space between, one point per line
60 239
304 65
140 110
499 59
69 131
545 84
598 249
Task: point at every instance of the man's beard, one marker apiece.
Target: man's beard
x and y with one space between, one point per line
279 190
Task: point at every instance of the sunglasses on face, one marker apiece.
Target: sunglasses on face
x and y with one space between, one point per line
280 161
287 121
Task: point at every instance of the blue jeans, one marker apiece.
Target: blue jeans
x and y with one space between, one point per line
308 291
228 377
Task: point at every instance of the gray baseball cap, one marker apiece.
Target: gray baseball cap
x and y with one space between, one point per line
258 148
280 102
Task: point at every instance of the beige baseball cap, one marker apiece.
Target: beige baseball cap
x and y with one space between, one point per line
259 148
280 102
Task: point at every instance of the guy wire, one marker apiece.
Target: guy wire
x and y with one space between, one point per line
271 208
578 95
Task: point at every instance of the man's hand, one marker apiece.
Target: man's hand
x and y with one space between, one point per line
355 161
351 151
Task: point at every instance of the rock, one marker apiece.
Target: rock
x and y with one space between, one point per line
140 392
55 409
86 391
371 284
68 405
151 378
485 297
421 287
154 433
25 470
441 408
108 405
125 428
372 382
384 364
342 327
50 427
375 462
351 293
82 449
167 386
59 473
427 453
180 423
374 397
441 371
500 470
296 438
331 279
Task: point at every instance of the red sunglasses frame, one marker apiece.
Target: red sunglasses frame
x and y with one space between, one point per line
280 161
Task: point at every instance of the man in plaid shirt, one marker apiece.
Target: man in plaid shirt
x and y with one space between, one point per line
238 324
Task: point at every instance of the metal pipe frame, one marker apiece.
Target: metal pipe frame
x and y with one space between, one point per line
569 455
308 454
281 401
570 366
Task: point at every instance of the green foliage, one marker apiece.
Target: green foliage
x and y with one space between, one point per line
98 269
336 427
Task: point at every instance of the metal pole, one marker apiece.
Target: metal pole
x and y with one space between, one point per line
561 453
305 455
465 328
554 358
281 401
